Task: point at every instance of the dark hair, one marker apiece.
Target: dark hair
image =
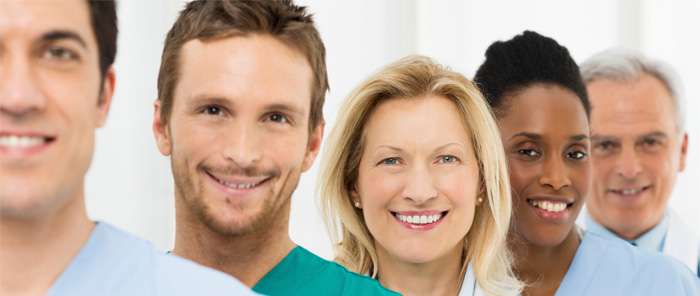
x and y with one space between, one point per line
210 20
103 17
527 59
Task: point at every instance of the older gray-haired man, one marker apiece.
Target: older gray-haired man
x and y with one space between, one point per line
639 145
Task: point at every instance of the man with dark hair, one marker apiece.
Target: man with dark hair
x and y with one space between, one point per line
239 112
56 86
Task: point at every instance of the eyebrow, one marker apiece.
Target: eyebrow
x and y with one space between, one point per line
436 149
578 138
63 35
219 100
285 107
537 137
531 136
655 134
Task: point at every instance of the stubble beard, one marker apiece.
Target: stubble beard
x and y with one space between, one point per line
256 225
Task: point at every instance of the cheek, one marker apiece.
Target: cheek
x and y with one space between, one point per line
521 176
288 150
581 178
377 195
460 187
602 168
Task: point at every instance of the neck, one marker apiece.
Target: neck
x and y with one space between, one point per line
247 257
542 268
627 233
442 276
35 250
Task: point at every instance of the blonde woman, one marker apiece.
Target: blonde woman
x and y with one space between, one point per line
414 184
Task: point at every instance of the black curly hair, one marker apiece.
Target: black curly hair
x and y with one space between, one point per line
524 60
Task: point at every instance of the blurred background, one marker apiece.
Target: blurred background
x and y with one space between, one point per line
130 184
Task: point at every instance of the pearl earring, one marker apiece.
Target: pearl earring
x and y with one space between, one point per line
357 204
479 200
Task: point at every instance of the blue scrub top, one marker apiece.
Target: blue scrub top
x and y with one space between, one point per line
113 262
604 266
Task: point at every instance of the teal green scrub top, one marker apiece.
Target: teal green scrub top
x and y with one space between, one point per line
303 273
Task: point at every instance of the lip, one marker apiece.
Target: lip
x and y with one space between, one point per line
239 193
549 216
25 152
420 227
618 193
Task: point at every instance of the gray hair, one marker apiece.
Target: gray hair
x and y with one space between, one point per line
626 65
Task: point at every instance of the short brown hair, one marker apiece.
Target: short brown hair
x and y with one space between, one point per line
210 20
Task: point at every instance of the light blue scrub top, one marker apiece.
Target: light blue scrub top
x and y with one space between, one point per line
652 240
113 262
605 266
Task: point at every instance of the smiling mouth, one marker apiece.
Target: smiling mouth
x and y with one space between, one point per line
238 185
8 141
630 191
550 205
419 220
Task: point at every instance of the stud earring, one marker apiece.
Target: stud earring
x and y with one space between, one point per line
357 204
479 200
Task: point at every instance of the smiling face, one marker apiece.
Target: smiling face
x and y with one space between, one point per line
49 94
545 136
637 153
418 179
238 134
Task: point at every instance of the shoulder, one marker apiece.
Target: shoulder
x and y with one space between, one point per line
178 276
304 272
635 269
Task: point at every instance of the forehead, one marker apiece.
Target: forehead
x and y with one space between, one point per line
427 121
253 68
548 110
631 107
30 19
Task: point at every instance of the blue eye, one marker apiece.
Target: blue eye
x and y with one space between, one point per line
389 161
448 159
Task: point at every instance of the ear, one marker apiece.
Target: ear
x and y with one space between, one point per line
481 194
313 146
684 152
161 131
105 97
355 197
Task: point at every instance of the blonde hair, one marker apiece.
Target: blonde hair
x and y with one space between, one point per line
410 78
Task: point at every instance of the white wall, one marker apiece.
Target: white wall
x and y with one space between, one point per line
130 182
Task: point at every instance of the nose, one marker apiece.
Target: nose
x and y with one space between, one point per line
555 174
20 93
420 188
243 145
628 164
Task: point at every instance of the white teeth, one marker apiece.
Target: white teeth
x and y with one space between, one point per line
630 191
550 206
238 185
20 141
419 219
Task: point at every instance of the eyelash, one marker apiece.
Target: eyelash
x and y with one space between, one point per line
582 157
395 160
60 53
442 158
525 152
213 110
284 118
